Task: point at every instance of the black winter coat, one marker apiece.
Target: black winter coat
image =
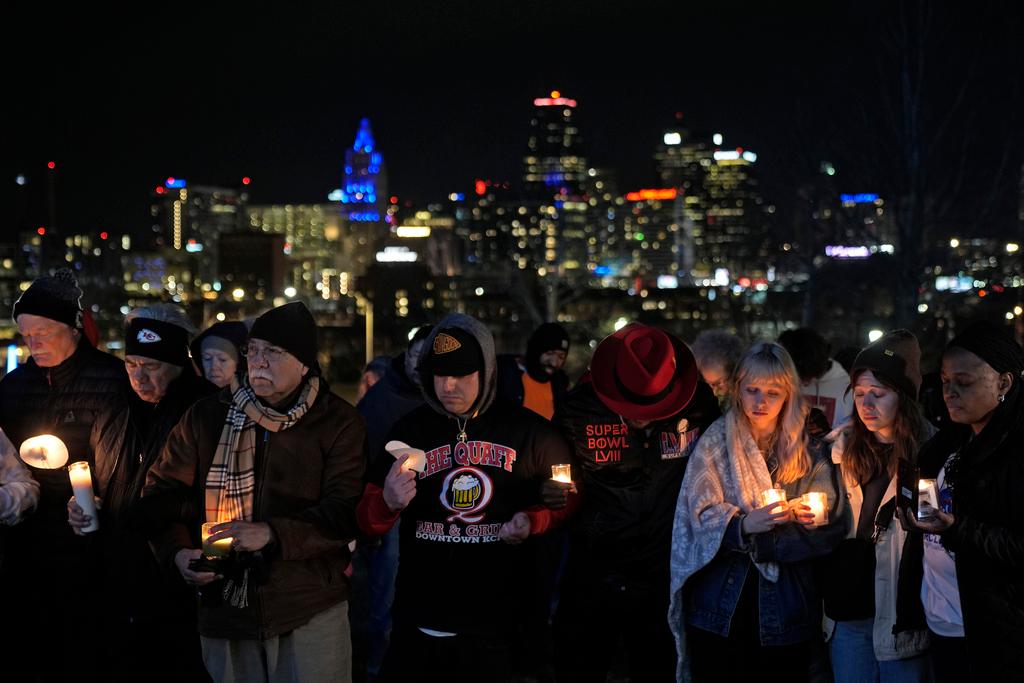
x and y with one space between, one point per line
988 536
65 400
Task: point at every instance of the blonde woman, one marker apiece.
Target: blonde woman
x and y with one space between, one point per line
744 599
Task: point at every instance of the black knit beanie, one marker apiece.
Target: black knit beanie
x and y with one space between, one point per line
547 337
158 340
994 345
896 357
292 328
56 297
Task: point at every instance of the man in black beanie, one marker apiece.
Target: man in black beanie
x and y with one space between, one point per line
274 464
464 506
536 380
66 386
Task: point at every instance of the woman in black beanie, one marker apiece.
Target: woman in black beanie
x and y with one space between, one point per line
973 584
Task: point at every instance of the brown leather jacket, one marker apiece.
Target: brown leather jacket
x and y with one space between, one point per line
308 481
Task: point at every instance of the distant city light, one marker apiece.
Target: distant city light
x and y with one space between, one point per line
954 243
20 179
875 335
922 308
41 230
726 155
1009 315
479 291
413 231
861 198
721 277
668 282
238 293
364 216
289 291
397 255
51 165
246 180
620 323
642 195
221 317
193 247
12 357
334 195
104 235
602 271
716 138
555 94
1017 310
457 197
175 183
847 252
673 138
1012 247
554 101
480 187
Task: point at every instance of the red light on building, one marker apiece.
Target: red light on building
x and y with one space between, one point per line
982 293
480 187
104 235
394 199
160 189
51 165
170 181
554 102
246 180
643 195
41 230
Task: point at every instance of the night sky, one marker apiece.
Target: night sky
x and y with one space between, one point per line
214 95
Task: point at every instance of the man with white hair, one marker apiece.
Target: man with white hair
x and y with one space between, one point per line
63 389
146 611
275 464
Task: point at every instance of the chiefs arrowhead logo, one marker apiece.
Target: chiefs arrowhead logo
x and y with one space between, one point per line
444 343
148 336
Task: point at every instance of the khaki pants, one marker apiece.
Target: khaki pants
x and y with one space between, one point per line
319 651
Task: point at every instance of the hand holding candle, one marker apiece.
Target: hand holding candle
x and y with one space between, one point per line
81 484
218 548
417 460
817 502
773 495
562 473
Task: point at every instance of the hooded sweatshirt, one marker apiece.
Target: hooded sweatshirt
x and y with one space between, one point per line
448 535
829 394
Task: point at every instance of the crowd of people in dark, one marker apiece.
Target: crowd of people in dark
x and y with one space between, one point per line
722 511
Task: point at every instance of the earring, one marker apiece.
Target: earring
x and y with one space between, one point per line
1002 397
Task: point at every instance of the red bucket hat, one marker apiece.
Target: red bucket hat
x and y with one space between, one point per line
643 373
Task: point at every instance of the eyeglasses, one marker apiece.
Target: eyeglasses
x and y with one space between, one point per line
271 354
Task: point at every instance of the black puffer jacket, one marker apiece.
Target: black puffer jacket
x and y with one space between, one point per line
65 400
126 445
988 536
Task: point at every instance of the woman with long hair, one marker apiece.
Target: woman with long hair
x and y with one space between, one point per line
868 642
744 598
973 570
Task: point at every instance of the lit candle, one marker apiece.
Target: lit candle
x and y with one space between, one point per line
45 451
818 503
81 484
417 458
773 495
562 473
927 492
219 548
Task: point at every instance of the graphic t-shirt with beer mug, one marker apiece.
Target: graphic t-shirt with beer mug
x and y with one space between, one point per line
448 535
940 592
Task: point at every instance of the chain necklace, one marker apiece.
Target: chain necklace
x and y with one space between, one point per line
462 429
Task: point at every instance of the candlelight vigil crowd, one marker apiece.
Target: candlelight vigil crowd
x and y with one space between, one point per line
208 509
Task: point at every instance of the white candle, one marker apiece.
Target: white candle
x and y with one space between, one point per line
562 473
219 548
81 484
927 492
45 451
818 503
417 459
773 495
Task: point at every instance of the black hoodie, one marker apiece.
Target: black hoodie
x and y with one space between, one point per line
455 575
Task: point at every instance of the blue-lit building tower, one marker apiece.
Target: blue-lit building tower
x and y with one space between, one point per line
364 185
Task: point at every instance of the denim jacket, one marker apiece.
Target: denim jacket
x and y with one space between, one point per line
790 609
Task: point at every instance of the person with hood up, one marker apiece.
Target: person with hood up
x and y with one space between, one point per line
537 380
476 498
218 351
823 381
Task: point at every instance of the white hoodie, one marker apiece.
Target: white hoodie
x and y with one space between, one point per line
828 394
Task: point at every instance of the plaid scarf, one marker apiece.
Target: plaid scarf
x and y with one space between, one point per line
231 481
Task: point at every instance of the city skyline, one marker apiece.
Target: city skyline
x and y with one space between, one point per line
215 116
